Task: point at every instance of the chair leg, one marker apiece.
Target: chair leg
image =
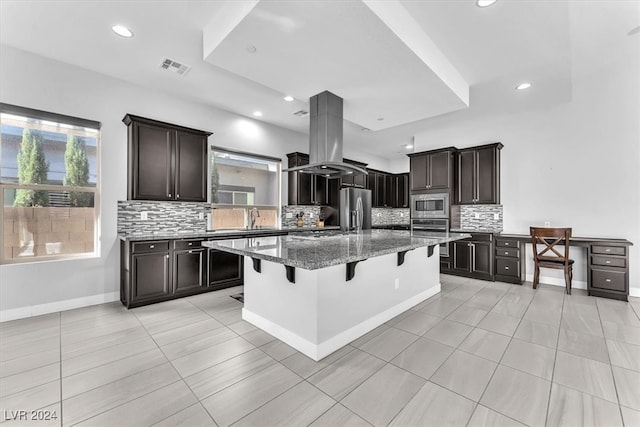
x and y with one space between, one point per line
536 277
568 275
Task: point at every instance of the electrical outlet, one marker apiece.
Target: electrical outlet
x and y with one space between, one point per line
201 215
477 215
401 214
310 214
396 284
144 216
547 224
496 216
288 215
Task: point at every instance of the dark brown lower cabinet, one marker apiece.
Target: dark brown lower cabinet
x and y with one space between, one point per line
189 270
225 269
150 273
472 257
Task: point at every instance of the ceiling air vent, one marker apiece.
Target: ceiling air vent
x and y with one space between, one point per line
174 66
301 113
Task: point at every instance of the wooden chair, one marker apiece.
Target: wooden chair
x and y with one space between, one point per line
550 255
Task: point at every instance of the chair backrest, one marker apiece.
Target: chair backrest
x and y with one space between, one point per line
549 239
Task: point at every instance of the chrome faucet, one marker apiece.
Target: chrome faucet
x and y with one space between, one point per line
255 213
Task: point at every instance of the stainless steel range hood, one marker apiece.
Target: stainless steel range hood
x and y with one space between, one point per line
325 139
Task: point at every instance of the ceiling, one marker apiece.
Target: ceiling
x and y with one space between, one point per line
397 64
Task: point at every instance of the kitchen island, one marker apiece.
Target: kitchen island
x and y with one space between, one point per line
318 292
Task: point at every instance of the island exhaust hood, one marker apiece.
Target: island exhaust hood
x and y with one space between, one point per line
325 139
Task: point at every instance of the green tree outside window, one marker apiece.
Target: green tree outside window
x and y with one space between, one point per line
32 169
77 171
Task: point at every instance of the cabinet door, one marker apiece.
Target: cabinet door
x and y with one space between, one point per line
402 191
389 191
380 190
152 165
191 167
418 168
300 184
189 272
150 276
360 180
482 258
461 256
439 167
319 186
225 269
372 184
347 181
466 185
487 176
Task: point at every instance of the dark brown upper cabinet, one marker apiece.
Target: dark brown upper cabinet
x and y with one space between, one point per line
432 170
308 189
166 161
478 175
402 190
358 181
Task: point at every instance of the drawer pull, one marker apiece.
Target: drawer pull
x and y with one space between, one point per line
190 252
506 244
506 267
152 246
607 262
607 280
190 243
506 253
607 250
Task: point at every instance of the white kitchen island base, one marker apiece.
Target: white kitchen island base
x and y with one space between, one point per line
322 311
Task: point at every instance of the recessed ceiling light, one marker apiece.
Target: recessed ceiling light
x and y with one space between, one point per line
523 86
288 98
485 3
257 113
408 146
251 49
121 30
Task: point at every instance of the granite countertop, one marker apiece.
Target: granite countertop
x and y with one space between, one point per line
133 237
332 248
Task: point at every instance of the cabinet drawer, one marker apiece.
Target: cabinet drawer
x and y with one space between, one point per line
609 250
155 246
481 237
187 244
508 267
609 261
508 243
507 252
608 279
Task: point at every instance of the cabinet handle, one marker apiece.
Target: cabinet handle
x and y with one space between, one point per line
607 250
190 243
190 252
506 253
177 196
167 256
506 243
152 246
607 280
607 262
169 194
506 267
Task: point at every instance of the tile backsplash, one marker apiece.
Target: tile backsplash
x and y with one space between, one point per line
477 217
161 216
310 216
382 216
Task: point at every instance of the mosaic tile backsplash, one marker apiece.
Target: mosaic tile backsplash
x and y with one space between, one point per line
383 216
477 217
161 217
310 215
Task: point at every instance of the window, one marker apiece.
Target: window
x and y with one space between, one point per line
48 185
245 190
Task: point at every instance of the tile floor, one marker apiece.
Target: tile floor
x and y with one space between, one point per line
478 354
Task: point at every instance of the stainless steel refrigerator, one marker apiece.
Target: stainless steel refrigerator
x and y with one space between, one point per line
355 209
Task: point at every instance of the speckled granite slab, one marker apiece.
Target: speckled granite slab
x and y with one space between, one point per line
334 248
236 234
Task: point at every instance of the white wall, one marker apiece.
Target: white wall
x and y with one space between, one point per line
36 82
573 164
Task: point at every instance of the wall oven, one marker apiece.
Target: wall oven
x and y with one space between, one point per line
435 205
440 225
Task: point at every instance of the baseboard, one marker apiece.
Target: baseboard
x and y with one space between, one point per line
53 307
321 350
634 292
575 284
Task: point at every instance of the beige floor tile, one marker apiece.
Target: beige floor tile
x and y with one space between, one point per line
442 307
465 374
241 398
193 416
518 395
485 417
258 337
174 398
389 344
305 366
630 416
534 359
628 386
413 358
131 336
582 324
590 346
345 374
29 362
278 350
298 406
586 375
417 322
468 315
210 356
22 349
537 333
31 398
485 344
338 415
624 355
379 408
621 332
511 309
25 380
499 323
187 331
431 406
449 333
198 342
568 407
541 314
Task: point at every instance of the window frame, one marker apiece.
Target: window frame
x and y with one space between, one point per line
247 208
96 190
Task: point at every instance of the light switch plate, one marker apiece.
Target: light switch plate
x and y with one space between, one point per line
477 215
144 216
288 215
547 224
496 216
201 215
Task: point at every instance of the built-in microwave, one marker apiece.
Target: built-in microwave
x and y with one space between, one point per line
435 205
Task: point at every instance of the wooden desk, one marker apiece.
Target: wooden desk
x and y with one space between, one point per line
607 263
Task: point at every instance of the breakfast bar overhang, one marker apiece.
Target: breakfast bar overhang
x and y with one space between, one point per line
317 293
